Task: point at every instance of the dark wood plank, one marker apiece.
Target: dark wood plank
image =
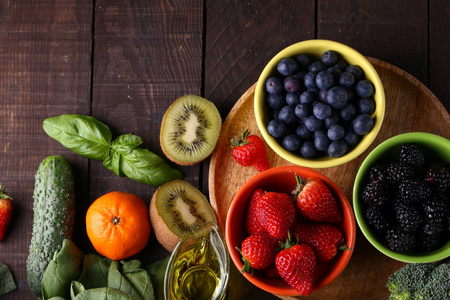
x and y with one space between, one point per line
146 55
393 31
45 71
439 44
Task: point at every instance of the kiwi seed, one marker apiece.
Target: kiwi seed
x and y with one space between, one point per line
190 130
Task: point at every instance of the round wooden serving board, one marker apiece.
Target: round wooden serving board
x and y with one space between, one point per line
410 106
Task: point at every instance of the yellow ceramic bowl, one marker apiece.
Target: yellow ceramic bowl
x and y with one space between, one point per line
315 48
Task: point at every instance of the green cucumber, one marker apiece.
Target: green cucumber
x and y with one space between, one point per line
54 216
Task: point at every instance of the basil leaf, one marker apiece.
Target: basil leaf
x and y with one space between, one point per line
7 283
125 143
157 271
84 135
112 163
95 271
146 167
103 293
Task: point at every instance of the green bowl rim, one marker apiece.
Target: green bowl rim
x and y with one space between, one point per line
422 137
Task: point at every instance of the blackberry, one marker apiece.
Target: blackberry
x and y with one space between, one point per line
435 215
397 171
377 218
413 190
375 193
377 171
438 177
430 242
411 154
409 217
400 241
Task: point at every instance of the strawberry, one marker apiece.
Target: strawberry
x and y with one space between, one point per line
296 265
249 150
258 252
271 272
315 200
276 212
252 224
324 239
6 209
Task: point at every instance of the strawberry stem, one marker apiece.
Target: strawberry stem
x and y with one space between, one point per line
236 142
288 244
298 187
3 194
246 268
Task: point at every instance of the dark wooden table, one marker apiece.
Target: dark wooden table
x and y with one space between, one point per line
124 62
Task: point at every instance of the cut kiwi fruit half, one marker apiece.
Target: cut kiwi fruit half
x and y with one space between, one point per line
177 208
190 130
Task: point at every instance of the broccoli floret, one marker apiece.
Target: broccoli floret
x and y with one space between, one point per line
404 282
420 281
438 285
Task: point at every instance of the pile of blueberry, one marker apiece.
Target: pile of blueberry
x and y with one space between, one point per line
319 107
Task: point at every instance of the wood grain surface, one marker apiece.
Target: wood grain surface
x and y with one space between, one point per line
410 106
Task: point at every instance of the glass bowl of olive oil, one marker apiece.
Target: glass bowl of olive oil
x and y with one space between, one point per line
199 266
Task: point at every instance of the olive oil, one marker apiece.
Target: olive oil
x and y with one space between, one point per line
199 267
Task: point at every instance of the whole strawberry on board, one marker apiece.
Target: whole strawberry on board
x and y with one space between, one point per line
252 224
325 239
315 200
249 150
6 209
276 213
258 252
296 265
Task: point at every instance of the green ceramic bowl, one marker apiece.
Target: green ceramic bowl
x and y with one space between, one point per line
434 146
315 48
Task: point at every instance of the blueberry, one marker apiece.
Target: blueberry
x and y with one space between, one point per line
303 132
362 124
337 148
346 79
341 64
322 111
313 124
300 75
336 132
303 60
321 140
317 66
273 113
288 67
332 120
291 84
323 95
364 88
337 97
287 114
303 110
292 98
324 80
308 97
357 72
351 93
348 112
314 90
335 71
310 80
275 101
366 106
329 58
351 139
276 128
274 85
308 150
292 142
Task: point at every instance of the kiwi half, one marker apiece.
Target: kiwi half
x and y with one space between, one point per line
175 209
190 130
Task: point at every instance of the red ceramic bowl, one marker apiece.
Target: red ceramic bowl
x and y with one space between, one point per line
282 179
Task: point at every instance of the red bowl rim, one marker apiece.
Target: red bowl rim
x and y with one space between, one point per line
278 286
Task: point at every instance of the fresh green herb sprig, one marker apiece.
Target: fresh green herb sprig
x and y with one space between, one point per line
91 138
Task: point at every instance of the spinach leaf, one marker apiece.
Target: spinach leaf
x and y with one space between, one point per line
157 271
7 283
61 271
148 168
95 271
130 278
104 293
